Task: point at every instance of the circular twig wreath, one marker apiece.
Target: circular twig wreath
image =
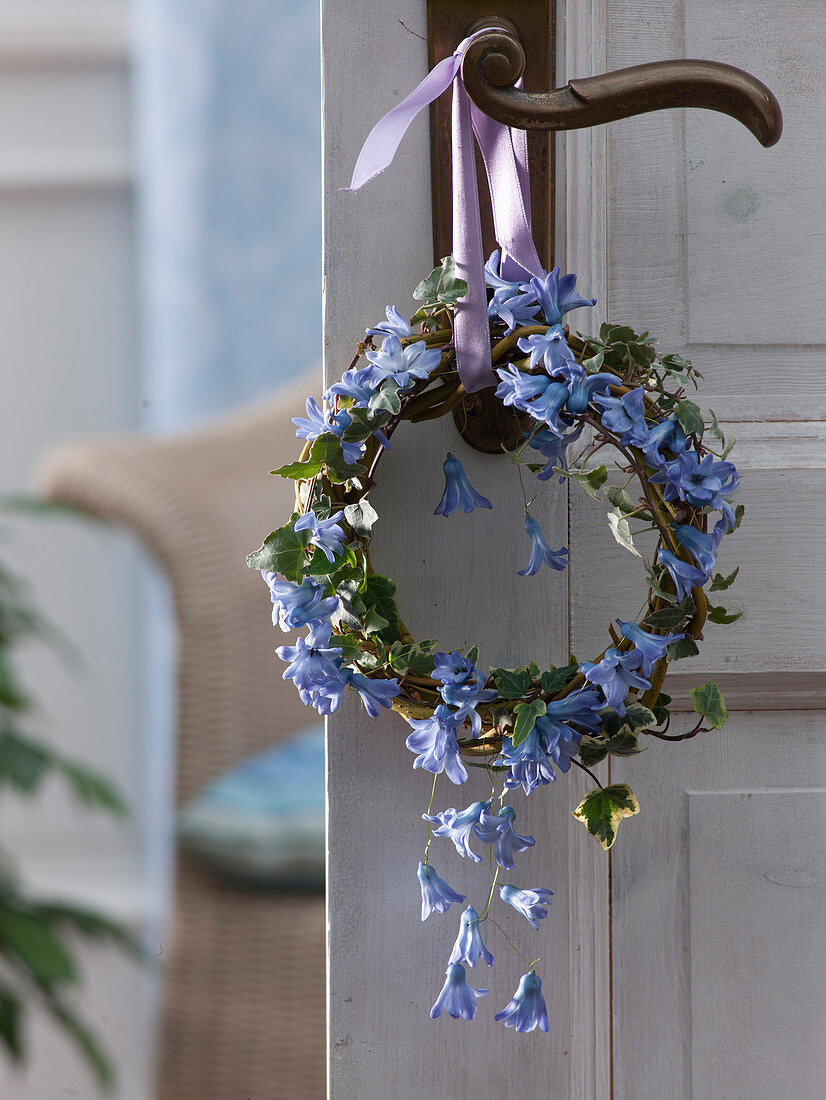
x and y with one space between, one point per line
574 396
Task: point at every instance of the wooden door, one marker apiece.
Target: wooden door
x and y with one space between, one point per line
687 227
682 224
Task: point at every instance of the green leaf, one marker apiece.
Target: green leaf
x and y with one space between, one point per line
720 616
511 683
603 809
282 552
739 512
414 658
92 789
11 1024
320 566
719 582
386 399
526 716
590 482
556 679
592 751
85 1041
11 693
441 285
709 703
660 707
619 498
714 428
473 654
380 595
593 364
299 471
36 946
669 617
326 451
691 418
373 622
22 762
638 717
362 517
685 647
622 532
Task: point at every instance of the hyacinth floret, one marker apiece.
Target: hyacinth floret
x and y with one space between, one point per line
526 1009
541 553
652 647
437 896
297 605
457 998
703 482
532 904
625 416
324 533
469 947
458 492
616 673
403 364
498 831
459 826
318 422
395 325
434 741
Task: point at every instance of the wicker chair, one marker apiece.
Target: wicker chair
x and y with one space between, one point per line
244 1012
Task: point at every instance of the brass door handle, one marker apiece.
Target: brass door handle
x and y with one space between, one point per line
494 61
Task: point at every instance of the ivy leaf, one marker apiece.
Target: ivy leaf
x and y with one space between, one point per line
685 647
592 751
299 471
739 512
594 363
603 809
624 743
473 654
511 683
714 428
380 595
691 418
622 532
719 583
719 615
669 617
556 679
638 717
362 517
619 498
590 482
526 716
320 565
660 707
709 703
327 452
386 399
441 285
414 658
282 552
374 623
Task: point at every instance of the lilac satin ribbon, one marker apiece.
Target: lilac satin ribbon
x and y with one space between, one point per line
505 156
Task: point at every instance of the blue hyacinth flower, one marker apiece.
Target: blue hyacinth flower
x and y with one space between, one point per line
665 433
296 605
437 896
684 575
557 295
457 998
356 384
375 694
651 646
704 483
458 492
582 389
495 279
625 416
615 674
403 364
540 551
527 1008
552 447
702 547
453 668
498 831
458 826
325 533
317 422
514 309
395 325
314 666
469 947
532 904
434 741
551 349
529 764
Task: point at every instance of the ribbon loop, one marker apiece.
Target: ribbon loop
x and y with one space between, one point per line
505 156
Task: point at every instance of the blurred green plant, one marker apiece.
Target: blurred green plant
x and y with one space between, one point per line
38 965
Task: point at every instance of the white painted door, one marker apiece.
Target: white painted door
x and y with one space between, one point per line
683 224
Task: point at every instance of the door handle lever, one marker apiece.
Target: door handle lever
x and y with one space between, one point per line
494 61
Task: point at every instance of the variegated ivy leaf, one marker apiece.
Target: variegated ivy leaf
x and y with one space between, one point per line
602 810
719 582
709 703
591 482
622 532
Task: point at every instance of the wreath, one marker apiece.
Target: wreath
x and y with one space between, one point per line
573 397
